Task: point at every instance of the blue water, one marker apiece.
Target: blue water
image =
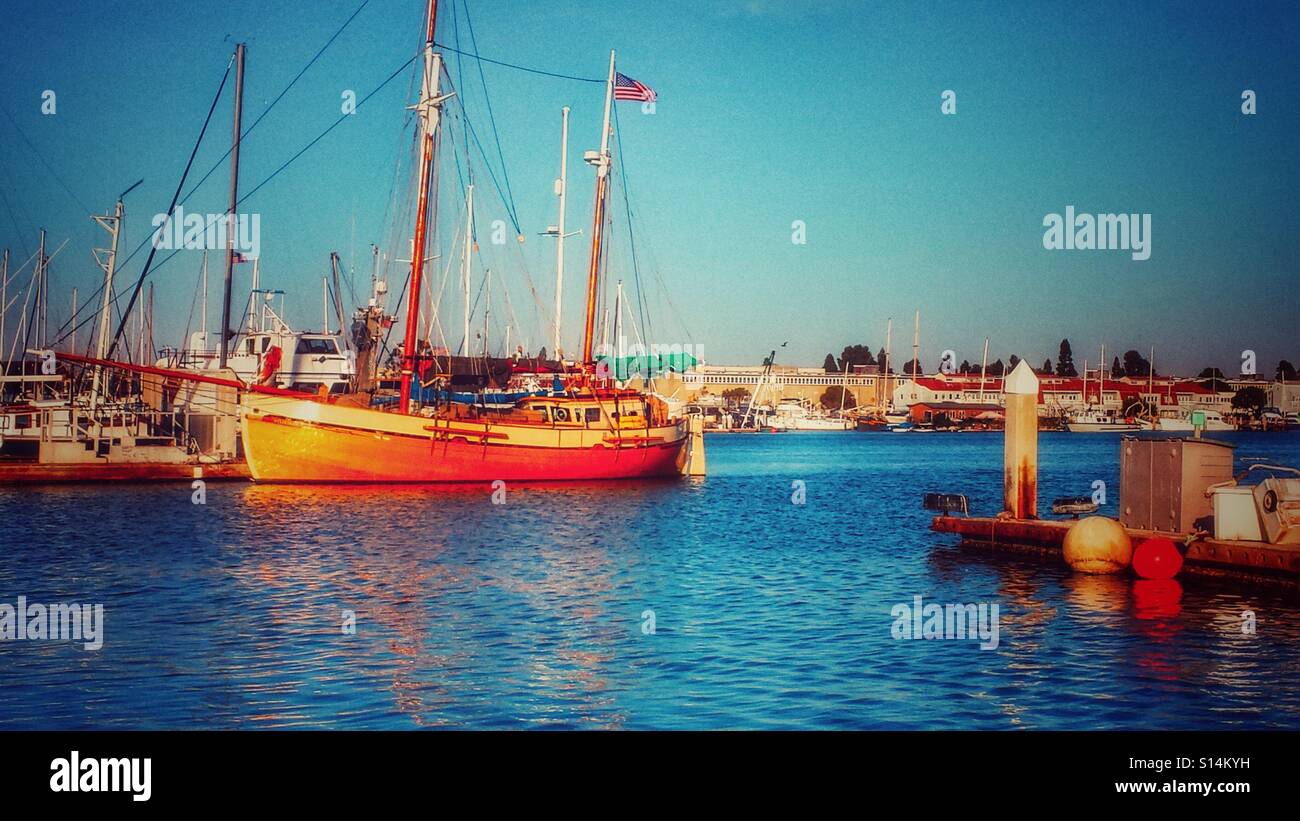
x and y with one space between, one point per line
532 613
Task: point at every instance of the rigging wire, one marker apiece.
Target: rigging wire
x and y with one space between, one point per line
242 137
135 293
516 67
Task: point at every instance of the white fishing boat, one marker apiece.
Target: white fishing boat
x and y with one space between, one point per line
800 415
1180 419
1100 421
270 352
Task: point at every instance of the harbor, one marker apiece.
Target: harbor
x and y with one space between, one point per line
437 364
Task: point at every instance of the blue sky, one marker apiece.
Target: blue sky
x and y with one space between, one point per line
824 112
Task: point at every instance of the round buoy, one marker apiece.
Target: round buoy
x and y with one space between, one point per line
1157 559
1097 545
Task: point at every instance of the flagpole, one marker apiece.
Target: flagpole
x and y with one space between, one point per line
602 163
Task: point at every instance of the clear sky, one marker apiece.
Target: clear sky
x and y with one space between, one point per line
824 112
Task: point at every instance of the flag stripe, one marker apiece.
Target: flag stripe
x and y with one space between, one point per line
625 88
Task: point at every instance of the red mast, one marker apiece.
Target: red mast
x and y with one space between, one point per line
427 110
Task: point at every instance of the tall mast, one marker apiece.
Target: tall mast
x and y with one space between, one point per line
428 110
601 161
205 300
465 263
1101 376
984 368
889 341
113 225
4 305
561 189
42 295
72 343
916 350
240 50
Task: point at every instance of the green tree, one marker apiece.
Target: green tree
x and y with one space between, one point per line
1135 364
965 367
835 397
542 354
1286 371
736 396
1047 367
1211 373
829 364
1252 399
855 355
1065 360
1116 369
996 368
907 368
1013 362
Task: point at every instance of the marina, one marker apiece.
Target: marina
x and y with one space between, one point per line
442 364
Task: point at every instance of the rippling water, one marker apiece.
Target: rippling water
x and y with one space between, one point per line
532 613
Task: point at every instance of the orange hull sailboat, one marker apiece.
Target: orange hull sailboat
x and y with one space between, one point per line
593 431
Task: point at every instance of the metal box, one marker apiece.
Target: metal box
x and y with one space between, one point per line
1235 515
1279 508
1163 481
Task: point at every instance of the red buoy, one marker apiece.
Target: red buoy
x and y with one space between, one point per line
1157 559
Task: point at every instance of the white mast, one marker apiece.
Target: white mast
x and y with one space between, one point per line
325 304
113 225
469 240
984 368
205 300
42 295
889 343
4 305
561 190
1101 375
916 351
72 344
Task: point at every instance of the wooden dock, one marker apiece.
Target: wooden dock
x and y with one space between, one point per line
1259 561
32 473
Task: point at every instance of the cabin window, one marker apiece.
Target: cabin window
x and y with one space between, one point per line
561 414
248 346
308 345
266 343
593 415
22 421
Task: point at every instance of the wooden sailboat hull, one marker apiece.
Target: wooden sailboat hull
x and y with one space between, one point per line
298 440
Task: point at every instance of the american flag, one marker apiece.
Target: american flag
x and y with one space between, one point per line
625 88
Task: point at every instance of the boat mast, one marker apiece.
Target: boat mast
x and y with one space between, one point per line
205 303
889 343
1101 377
465 260
916 351
4 306
72 344
984 369
561 189
428 110
240 50
42 287
113 225
602 163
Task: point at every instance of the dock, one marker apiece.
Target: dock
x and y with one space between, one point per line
1258 561
1182 492
31 472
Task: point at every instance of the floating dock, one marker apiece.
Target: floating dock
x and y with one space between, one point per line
13 473
1259 561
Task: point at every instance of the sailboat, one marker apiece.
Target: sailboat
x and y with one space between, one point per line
595 430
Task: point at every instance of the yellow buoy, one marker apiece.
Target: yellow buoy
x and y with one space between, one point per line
1098 545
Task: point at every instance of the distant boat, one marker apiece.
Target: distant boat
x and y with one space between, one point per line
1095 421
1180 419
799 416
